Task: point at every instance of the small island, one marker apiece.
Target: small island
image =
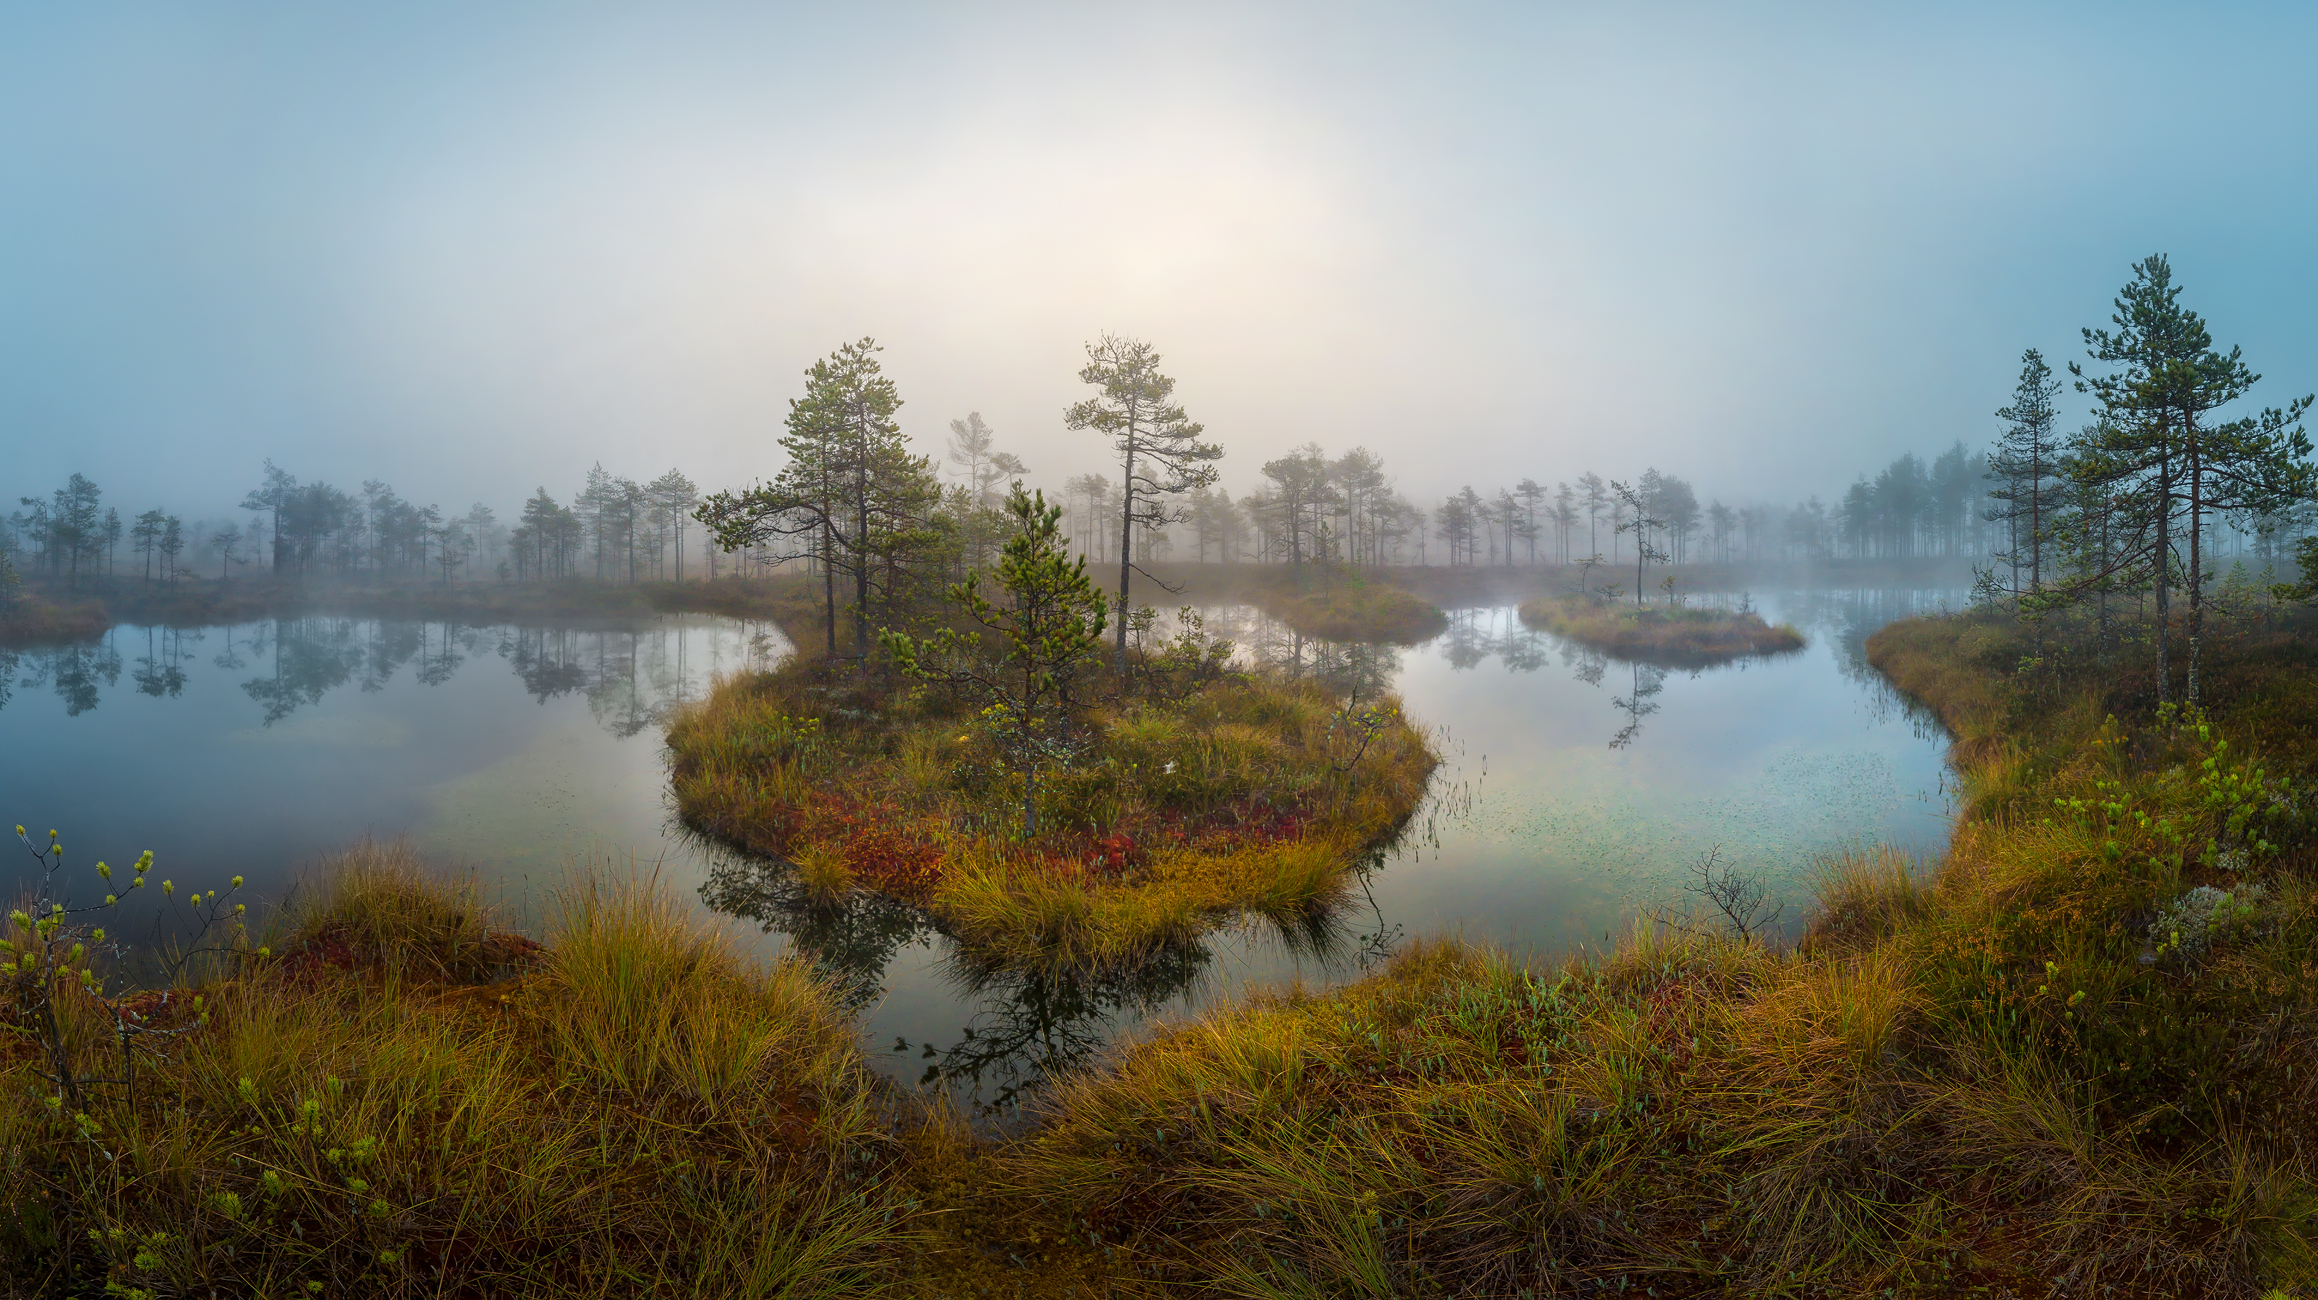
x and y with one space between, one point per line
1661 634
1050 799
1372 612
1330 602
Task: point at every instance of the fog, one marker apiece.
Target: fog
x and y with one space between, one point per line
470 252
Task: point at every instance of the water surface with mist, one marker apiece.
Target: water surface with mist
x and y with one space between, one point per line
1575 790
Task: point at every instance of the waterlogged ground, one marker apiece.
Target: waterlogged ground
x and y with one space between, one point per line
1576 792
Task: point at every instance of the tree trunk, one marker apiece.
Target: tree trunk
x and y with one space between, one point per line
861 542
829 583
1126 566
2196 568
2164 572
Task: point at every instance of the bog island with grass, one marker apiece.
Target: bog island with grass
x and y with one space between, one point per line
1672 631
899 865
1668 633
1049 795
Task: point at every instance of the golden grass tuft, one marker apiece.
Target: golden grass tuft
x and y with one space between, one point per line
641 1114
376 904
1867 895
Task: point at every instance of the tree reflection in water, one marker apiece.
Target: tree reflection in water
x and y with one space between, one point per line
631 678
1640 701
311 657
1028 1026
75 671
1844 617
161 669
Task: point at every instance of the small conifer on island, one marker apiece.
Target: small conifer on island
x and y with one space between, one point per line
1021 668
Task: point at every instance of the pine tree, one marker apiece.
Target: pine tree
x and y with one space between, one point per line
2026 467
1045 629
2157 450
1160 454
851 486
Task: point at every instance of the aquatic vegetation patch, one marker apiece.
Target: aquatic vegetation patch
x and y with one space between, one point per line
1250 794
1664 634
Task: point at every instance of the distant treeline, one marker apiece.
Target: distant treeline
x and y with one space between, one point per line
860 501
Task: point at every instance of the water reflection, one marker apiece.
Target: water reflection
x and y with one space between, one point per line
850 942
75 672
1538 838
630 677
161 669
1844 617
1639 702
1037 1025
1022 1026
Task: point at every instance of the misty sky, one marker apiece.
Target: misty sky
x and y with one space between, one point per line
471 248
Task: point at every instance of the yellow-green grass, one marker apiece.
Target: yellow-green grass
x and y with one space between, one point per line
1986 1075
1256 795
629 1111
1659 634
1970 1079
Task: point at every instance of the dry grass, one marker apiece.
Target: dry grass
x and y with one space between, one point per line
1354 609
1657 634
1983 1080
1254 796
636 1113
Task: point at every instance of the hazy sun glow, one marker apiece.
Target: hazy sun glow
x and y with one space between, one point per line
1490 243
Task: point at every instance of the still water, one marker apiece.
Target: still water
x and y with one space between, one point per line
1576 790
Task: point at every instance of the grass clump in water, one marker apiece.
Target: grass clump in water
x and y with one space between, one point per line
1664 634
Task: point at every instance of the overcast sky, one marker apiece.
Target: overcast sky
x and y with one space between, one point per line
472 248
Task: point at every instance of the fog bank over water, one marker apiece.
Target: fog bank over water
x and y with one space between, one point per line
470 251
